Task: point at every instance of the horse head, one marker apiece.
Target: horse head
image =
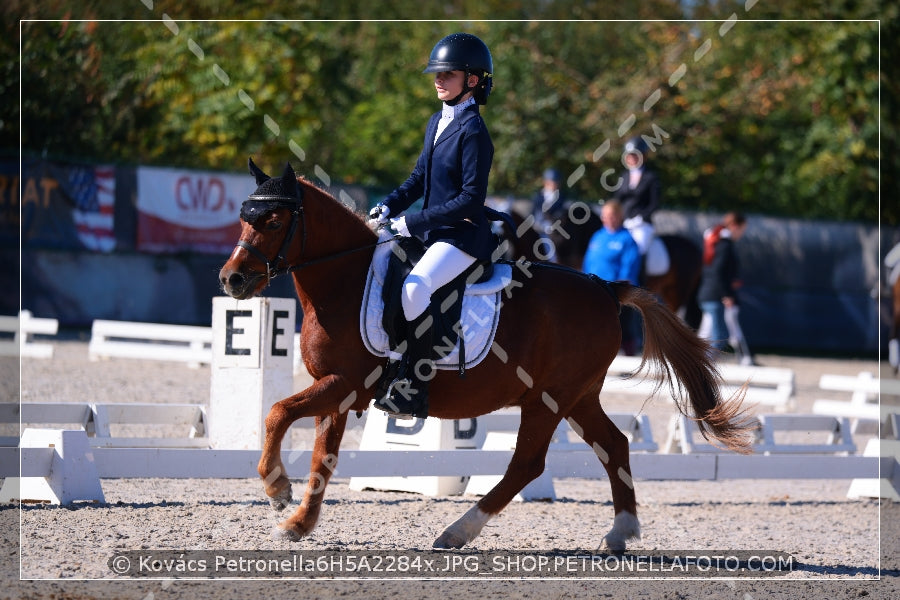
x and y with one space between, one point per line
270 217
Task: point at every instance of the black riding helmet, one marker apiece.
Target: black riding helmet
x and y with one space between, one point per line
464 52
636 145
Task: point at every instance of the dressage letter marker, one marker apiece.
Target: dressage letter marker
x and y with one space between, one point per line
280 343
231 331
383 432
252 367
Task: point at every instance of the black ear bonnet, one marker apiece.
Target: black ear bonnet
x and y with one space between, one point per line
271 193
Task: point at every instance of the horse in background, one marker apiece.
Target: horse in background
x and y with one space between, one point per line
677 287
289 226
570 234
523 241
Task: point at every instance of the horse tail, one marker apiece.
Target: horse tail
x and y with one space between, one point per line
685 362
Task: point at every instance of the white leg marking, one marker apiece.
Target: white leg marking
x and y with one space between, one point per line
464 530
625 527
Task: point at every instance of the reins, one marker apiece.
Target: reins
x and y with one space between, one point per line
260 203
336 255
274 268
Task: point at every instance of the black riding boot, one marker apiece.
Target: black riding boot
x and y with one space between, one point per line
390 372
407 393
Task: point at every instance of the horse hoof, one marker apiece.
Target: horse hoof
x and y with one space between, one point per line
281 500
278 504
279 534
625 527
613 546
448 541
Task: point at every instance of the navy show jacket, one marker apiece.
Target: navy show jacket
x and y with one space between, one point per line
452 176
642 200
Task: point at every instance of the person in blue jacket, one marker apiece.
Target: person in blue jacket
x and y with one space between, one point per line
613 255
451 174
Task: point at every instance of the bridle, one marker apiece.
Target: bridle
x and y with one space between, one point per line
257 206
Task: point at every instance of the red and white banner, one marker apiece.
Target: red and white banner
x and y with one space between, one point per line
195 211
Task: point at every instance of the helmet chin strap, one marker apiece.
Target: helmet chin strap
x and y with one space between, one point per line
466 89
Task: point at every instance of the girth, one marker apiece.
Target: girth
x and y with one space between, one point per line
446 302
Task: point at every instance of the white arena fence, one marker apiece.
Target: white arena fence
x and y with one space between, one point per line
66 470
150 341
189 344
872 401
19 335
766 386
237 464
192 345
69 463
99 421
769 386
92 453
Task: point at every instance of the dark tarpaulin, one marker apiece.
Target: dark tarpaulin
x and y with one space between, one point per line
78 287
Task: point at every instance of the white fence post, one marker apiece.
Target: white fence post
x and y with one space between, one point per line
64 474
888 486
252 367
23 329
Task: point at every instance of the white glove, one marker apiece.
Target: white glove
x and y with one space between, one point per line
379 214
399 227
634 222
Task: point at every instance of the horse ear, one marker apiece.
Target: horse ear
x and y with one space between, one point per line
258 173
289 181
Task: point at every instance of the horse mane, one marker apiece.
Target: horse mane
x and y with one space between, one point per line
308 184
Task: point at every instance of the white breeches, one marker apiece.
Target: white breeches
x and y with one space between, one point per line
642 234
440 265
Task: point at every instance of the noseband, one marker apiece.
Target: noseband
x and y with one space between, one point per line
256 207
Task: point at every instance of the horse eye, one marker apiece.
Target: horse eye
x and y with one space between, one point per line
273 225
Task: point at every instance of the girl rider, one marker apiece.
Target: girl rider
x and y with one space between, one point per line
452 176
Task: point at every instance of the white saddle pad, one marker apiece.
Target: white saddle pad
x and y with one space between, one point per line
480 312
656 262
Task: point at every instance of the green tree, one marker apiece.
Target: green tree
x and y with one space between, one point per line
780 120
771 117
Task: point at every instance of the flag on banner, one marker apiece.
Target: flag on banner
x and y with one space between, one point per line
93 190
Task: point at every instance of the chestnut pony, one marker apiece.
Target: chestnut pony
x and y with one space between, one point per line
558 333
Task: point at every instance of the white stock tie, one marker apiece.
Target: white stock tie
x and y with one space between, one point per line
446 116
448 113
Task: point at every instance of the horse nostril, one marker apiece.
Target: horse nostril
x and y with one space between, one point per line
235 281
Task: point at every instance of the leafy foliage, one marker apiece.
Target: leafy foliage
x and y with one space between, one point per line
770 117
